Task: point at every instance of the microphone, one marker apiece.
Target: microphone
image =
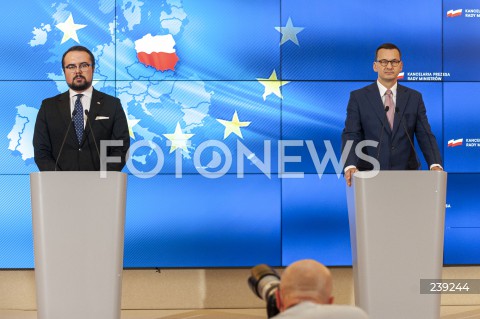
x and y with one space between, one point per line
94 140
383 128
397 110
65 138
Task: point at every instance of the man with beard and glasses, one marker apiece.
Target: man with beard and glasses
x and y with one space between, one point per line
63 139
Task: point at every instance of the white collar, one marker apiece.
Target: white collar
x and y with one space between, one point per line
383 89
88 92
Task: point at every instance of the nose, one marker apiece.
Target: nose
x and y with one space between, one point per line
390 64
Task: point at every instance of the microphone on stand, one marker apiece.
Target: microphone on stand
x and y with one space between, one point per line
383 128
65 138
94 139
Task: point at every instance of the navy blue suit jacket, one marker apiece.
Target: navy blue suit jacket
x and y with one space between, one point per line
108 122
365 118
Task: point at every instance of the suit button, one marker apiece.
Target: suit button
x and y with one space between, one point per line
79 149
393 148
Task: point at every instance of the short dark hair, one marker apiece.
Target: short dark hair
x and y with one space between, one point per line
388 46
79 48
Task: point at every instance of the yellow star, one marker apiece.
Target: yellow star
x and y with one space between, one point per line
178 139
233 126
131 124
69 29
272 85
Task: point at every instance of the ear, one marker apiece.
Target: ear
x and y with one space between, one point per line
375 67
279 300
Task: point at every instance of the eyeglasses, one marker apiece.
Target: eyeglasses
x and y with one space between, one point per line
73 68
386 62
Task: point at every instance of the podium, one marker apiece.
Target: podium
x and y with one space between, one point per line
396 228
78 228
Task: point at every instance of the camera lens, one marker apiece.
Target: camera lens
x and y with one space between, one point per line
264 281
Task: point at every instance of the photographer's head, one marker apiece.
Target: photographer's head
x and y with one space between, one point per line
304 280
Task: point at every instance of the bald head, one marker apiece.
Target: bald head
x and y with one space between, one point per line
305 280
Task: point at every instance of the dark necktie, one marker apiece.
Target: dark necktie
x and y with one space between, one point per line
78 118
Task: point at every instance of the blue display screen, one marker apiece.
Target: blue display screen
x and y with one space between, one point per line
256 89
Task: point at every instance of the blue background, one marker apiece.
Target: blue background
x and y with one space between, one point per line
224 47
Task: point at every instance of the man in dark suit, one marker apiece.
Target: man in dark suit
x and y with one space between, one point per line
390 114
80 148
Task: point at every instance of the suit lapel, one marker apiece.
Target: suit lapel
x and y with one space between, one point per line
373 96
96 105
401 104
64 108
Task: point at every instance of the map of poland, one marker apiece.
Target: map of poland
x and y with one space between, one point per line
157 51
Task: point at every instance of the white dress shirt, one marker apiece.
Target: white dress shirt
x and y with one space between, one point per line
86 99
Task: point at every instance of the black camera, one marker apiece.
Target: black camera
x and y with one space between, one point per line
264 281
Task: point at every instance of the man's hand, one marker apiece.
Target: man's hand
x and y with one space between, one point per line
348 175
436 168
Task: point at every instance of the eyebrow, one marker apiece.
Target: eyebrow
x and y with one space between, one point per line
79 63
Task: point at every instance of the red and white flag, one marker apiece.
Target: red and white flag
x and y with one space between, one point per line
454 13
157 51
457 142
400 76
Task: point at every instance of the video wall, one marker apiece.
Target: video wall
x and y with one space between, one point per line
235 112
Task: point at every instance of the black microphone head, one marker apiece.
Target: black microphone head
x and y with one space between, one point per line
387 108
86 112
74 113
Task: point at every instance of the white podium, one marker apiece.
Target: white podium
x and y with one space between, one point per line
396 229
78 226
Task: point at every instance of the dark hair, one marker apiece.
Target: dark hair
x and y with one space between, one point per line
388 46
79 48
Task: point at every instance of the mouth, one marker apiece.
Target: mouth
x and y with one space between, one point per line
78 77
